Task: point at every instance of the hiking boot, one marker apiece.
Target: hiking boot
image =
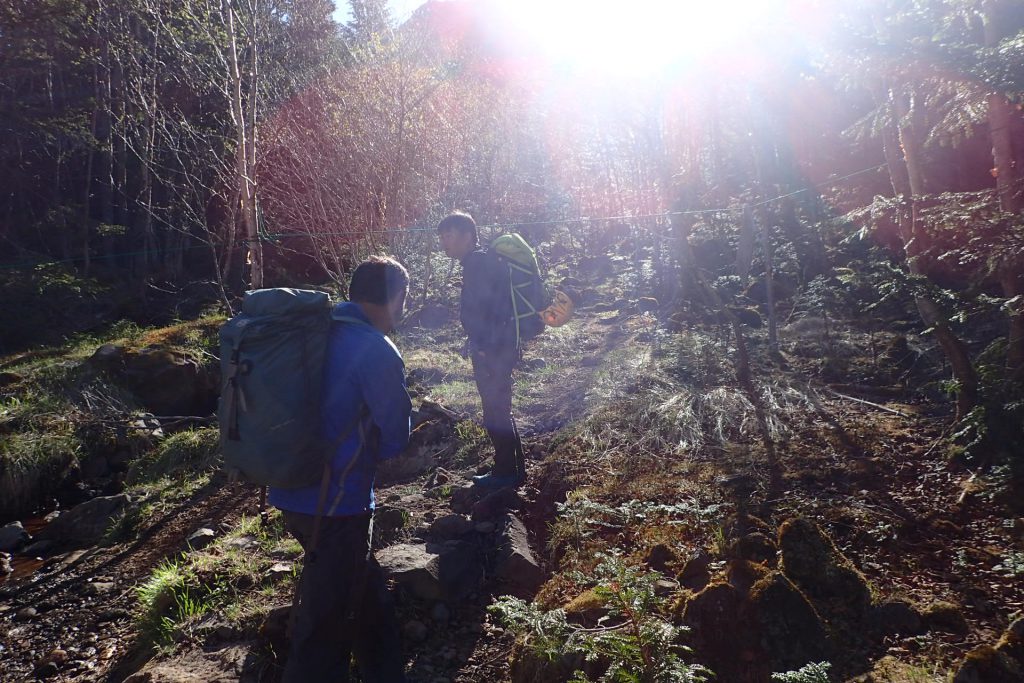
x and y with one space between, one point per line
493 481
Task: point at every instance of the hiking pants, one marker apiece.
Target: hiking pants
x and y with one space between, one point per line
343 575
492 370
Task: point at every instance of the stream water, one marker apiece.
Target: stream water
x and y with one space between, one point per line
25 565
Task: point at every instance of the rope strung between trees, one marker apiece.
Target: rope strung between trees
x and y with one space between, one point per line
414 229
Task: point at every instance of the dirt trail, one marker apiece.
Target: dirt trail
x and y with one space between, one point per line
83 601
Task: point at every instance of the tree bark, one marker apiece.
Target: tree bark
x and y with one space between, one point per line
243 140
1009 188
914 244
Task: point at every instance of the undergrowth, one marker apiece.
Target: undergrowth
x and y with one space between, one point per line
633 643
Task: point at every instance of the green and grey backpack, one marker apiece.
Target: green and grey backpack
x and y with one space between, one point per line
526 288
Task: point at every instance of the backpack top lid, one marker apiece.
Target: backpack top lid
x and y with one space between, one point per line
516 249
285 301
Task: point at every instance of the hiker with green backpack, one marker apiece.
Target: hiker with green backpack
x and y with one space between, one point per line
501 301
314 398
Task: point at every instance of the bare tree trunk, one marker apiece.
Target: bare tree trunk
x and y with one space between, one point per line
769 286
244 138
1009 189
914 242
87 185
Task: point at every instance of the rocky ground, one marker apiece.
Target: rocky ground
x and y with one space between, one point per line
871 552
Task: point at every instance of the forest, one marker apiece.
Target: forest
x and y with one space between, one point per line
781 439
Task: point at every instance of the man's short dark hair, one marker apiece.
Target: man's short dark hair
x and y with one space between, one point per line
459 221
377 280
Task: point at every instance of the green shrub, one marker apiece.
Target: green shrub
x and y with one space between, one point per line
637 643
811 673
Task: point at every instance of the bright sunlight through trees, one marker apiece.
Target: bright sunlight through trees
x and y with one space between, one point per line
643 37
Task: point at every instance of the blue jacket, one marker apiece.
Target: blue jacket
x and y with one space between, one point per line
364 375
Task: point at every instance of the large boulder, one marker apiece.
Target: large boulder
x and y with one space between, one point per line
791 631
811 560
85 524
432 571
414 462
722 609
1002 663
516 567
169 382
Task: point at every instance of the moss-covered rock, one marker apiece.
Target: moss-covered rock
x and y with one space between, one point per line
895 617
661 558
527 666
1000 664
987 664
812 561
792 633
756 547
723 635
586 609
742 574
946 617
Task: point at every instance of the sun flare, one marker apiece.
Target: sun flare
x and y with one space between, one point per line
638 37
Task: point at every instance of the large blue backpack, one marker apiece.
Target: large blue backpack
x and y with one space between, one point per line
271 357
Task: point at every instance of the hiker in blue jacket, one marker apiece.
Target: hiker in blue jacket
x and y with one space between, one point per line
486 315
343 606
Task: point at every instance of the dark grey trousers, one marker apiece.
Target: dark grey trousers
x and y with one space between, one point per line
492 371
344 607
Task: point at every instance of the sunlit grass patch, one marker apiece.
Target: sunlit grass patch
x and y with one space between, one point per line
31 459
166 476
458 395
229 580
472 439
169 598
180 455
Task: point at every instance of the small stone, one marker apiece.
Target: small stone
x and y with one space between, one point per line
415 631
13 536
200 538
241 543
5 564
26 614
279 571
646 304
